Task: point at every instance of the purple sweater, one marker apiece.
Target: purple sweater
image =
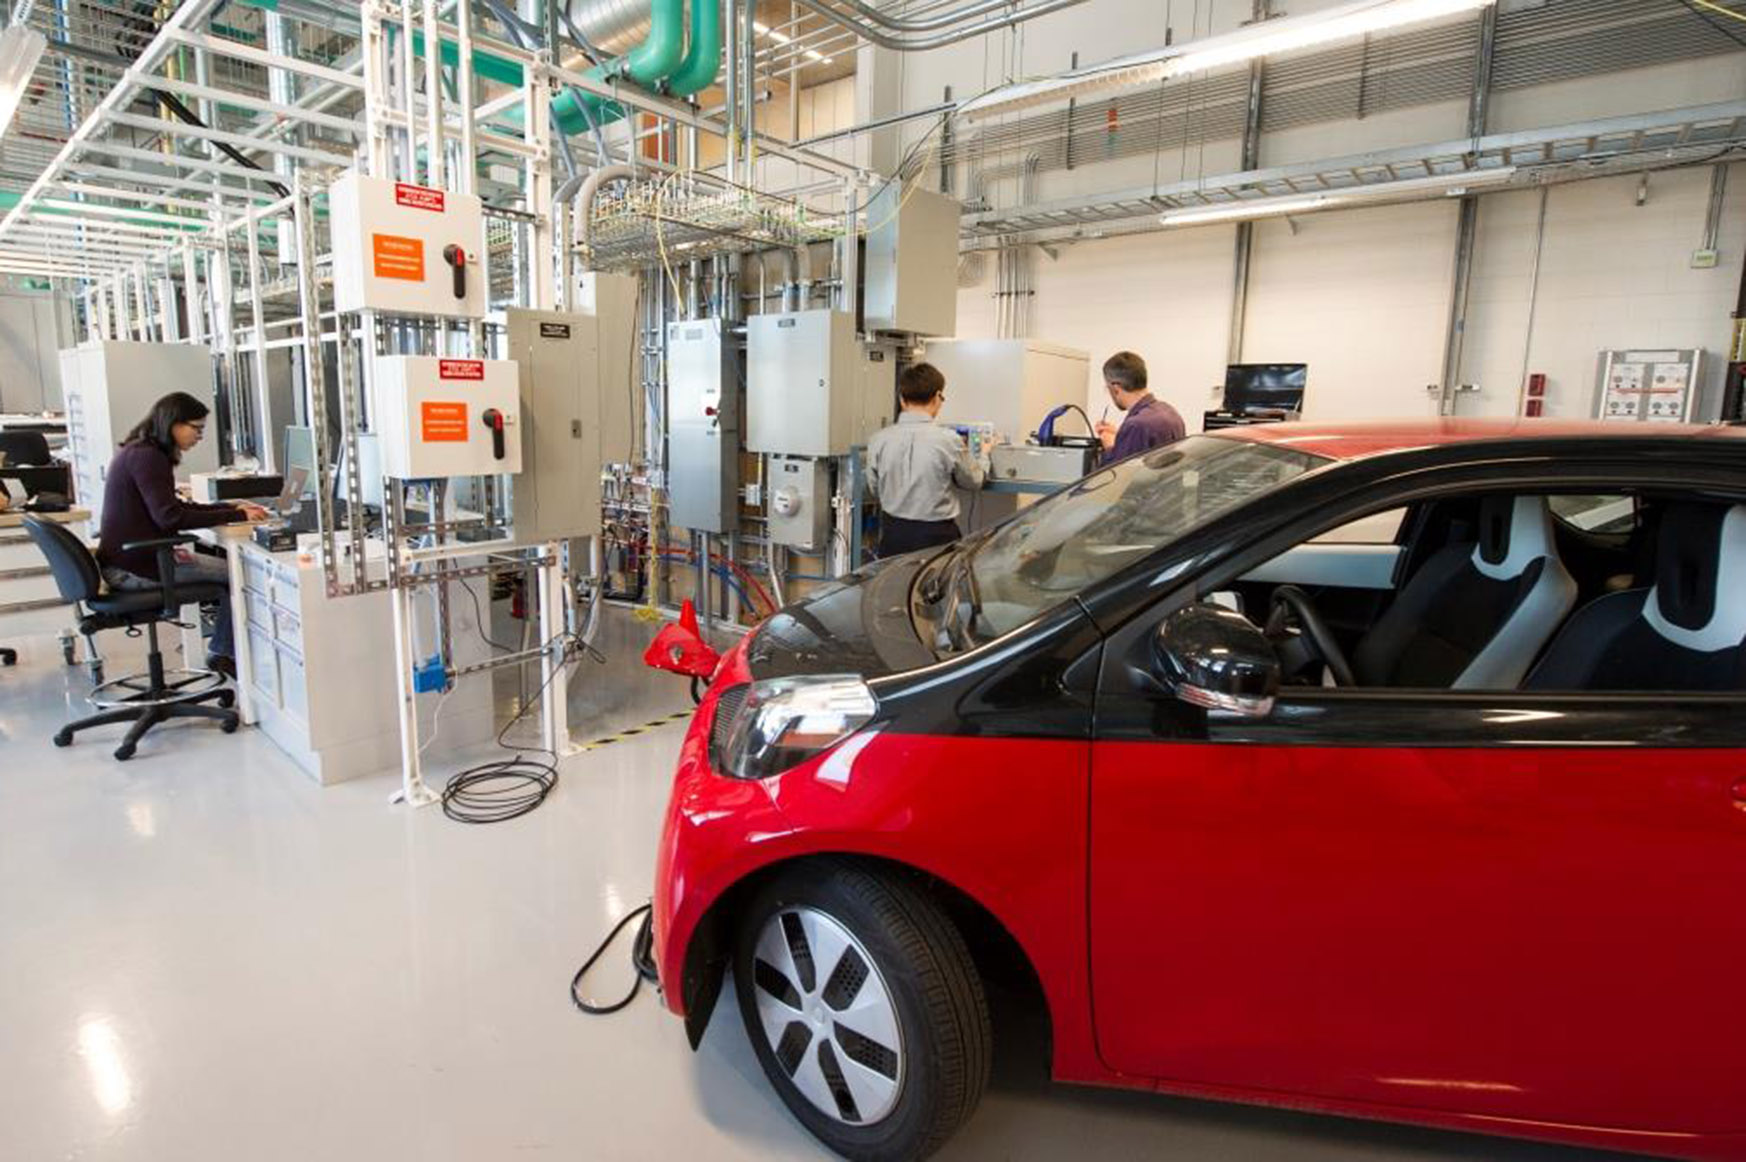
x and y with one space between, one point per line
140 504
1150 423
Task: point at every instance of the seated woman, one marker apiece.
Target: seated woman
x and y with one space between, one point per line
140 504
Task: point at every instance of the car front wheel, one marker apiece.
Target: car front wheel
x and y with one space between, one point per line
864 1007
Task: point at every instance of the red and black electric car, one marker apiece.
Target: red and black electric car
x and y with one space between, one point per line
1392 771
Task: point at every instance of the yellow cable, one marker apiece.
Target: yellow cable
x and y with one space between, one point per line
1721 11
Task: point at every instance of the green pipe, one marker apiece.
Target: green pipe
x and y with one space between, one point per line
660 54
703 54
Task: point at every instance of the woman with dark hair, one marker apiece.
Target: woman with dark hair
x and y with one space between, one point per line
140 504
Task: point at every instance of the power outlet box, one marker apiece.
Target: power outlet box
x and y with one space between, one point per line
406 250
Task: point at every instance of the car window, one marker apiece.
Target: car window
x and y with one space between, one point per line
1379 528
1596 514
1113 518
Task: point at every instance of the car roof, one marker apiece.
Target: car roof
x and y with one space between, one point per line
1350 441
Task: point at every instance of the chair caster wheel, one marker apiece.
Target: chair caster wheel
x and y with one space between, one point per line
63 738
124 752
227 699
230 724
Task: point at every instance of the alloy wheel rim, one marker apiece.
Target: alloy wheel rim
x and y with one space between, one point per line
828 1016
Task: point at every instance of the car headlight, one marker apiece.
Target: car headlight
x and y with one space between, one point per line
782 722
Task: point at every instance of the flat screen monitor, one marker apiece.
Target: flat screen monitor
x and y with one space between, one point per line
1251 386
369 471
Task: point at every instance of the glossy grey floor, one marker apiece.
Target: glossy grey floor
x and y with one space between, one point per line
205 956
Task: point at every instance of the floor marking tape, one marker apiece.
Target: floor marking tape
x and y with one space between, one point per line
633 731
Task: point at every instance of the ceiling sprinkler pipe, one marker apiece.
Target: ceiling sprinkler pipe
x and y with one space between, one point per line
702 54
941 39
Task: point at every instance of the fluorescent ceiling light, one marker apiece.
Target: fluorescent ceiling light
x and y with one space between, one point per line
818 56
1450 185
1286 34
21 46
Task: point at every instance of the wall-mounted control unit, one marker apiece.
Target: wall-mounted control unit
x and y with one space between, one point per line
912 262
405 249
703 428
800 502
812 388
557 495
447 417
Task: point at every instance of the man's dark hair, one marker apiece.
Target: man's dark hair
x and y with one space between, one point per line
1126 370
920 383
157 428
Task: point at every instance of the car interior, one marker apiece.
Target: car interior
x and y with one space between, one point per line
1500 591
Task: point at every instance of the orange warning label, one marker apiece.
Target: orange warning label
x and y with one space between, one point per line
397 257
443 423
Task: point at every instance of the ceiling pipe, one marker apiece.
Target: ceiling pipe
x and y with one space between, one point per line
651 62
938 40
929 24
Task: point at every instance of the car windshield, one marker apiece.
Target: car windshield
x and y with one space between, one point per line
1095 528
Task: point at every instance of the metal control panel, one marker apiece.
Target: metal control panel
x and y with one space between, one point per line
447 417
800 502
406 249
912 261
703 427
556 354
812 388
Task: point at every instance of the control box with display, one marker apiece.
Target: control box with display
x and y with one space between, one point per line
405 249
447 417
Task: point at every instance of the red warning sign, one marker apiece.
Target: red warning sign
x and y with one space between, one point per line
461 369
418 197
396 257
442 422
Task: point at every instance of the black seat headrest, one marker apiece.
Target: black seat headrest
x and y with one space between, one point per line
1687 563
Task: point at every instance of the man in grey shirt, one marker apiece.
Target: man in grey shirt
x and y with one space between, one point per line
912 466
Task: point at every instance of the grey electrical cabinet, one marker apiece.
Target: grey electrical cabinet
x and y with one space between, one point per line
703 427
611 300
800 502
812 388
557 493
912 262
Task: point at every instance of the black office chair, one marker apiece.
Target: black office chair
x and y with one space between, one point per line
159 694
25 450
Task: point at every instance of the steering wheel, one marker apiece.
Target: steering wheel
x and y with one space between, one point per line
1291 604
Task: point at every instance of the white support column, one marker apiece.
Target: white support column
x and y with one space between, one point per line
166 292
376 94
555 702
263 401
412 787
536 131
433 95
191 295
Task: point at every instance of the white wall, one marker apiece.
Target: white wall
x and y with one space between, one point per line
1612 274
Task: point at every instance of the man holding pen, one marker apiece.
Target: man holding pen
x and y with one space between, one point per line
1149 422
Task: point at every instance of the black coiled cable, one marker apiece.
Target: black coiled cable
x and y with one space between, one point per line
642 959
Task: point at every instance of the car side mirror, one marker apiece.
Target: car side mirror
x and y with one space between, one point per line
1215 658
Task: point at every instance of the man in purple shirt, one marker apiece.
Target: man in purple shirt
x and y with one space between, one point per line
1149 422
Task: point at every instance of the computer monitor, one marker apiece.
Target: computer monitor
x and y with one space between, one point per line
1265 386
300 453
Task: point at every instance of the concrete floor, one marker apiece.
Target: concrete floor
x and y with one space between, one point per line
206 956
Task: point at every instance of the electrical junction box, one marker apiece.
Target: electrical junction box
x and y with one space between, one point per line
438 416
812 389
800 502
912 262
406 250
703 427
563 437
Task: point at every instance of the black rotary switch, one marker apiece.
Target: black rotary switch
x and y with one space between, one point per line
493 419
457 260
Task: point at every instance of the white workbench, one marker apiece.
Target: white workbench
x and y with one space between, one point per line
317 674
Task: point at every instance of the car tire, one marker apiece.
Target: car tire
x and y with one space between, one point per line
834 955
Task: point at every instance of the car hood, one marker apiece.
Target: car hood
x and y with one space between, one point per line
858 625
